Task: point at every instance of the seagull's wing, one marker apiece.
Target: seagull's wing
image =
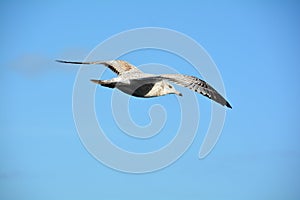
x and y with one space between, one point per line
197 85
117 66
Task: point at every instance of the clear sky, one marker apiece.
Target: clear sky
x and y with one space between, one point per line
255 46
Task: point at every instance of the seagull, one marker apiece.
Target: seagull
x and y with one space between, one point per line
133 81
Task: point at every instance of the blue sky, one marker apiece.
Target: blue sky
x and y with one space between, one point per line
256 48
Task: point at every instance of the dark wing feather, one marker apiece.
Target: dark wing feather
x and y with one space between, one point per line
197 85
117 66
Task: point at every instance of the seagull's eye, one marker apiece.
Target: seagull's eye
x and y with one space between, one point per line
170 86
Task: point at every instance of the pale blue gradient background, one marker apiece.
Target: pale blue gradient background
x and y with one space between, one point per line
256 48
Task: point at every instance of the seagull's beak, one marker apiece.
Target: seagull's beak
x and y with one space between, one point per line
178 93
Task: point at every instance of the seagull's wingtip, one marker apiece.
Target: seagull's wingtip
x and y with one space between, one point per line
60 61
228 105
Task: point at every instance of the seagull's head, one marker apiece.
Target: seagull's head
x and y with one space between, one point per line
170 89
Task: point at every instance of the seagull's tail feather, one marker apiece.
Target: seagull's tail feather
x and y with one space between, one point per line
104 83
97 81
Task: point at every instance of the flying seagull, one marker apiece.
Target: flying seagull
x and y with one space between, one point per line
134 82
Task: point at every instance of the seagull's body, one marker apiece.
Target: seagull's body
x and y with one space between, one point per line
134 82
